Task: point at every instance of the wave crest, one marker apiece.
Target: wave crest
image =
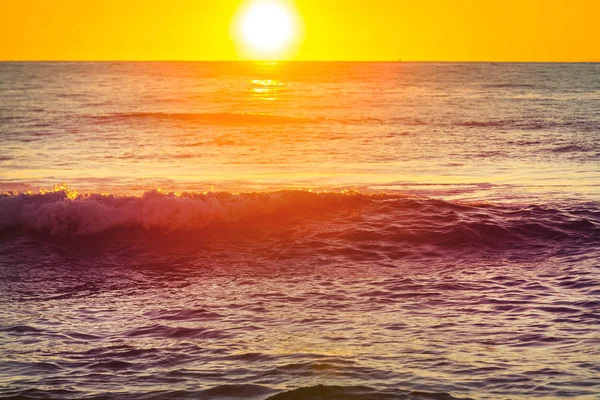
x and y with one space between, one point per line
370 226
64 211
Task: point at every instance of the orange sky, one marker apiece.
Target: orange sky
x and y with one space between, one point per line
449 30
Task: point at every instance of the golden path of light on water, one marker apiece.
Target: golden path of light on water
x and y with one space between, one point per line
266 89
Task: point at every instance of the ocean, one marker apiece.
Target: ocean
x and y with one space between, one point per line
290 230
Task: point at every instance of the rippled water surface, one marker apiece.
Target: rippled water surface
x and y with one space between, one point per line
299 231
521 130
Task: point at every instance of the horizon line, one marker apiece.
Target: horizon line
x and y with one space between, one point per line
399 61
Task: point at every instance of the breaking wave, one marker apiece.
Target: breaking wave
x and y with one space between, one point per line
389 224
64 212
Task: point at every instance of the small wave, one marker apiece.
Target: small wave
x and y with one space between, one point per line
509 124
512 86
224 118
165 331
356 392
237 391
571 148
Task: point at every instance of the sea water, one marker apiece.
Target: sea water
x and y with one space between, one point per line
299 230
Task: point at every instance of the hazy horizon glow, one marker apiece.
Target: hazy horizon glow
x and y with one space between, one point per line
326 30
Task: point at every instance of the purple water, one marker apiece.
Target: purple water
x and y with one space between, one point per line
299 230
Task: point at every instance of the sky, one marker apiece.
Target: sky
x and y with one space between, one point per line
361 30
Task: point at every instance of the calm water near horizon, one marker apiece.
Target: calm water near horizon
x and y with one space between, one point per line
299 230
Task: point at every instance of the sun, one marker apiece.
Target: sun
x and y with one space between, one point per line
266 28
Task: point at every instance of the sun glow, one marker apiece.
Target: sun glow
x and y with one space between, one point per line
266 29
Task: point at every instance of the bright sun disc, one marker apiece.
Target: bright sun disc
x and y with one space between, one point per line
267 26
